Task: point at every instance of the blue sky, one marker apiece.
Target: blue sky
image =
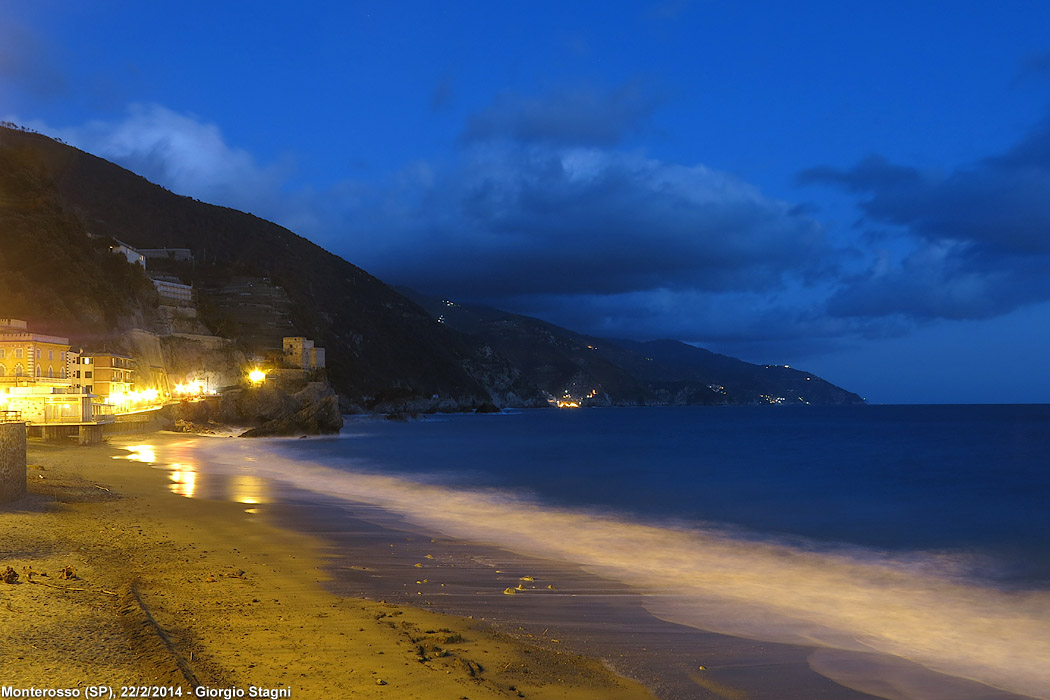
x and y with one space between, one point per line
860 189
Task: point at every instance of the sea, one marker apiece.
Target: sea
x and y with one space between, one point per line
906 545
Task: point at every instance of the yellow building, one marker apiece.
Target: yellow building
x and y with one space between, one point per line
31 359
110 375
300 353
35 378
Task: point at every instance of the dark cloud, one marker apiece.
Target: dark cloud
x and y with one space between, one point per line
185 155
978 237
606 241
514 221
583 116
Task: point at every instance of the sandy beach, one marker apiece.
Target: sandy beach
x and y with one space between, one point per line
123 583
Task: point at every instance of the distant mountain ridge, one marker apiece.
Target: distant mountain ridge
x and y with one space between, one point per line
384 351
566 364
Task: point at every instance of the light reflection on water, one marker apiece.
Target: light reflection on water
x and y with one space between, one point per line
184 480
146 454
245 488
188 481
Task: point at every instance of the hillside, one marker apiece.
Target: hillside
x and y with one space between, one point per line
51 273
380 346
600 371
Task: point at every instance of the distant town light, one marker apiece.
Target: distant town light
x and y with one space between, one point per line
257 376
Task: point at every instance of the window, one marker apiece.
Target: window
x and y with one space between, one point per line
50 372
87 375
3 371
38 370
3 353
18 353
20 371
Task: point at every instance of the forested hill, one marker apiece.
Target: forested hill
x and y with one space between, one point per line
379 344
51 272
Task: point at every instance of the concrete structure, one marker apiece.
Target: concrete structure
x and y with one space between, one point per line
44 405
300 353
172 292
12 461
178 254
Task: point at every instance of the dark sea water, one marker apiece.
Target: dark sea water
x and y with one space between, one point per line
918 534
975 478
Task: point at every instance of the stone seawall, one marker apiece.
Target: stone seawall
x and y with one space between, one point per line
12 461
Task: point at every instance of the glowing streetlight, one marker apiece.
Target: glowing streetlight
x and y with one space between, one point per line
257 376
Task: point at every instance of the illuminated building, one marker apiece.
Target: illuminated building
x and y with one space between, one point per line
107 374
300 353
28 358
36 380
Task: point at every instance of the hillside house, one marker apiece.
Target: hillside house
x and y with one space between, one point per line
300 353
133 256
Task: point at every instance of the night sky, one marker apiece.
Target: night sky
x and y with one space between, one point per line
859 189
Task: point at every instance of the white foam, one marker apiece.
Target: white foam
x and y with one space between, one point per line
916 608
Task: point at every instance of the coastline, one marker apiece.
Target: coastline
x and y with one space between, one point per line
254 581
174 592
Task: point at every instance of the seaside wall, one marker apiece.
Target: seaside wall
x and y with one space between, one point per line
12 461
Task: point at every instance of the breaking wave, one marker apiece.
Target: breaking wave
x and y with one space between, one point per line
905 612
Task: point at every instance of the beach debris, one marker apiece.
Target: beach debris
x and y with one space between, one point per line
520 587
429 556
527 578
550 586
702 668
418 565
380 681
509 591
67 573
9 575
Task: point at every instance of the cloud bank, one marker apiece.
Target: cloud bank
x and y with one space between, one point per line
979 235
543 210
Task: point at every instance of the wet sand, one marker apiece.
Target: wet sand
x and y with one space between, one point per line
178 592
250 583
374 554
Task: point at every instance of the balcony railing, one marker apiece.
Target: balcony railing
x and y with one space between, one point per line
10 416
